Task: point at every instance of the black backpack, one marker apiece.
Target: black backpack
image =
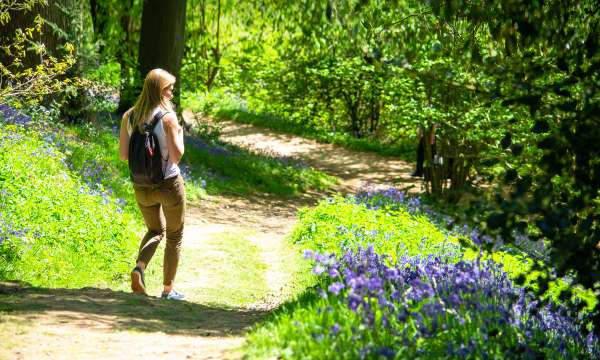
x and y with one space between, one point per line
145 159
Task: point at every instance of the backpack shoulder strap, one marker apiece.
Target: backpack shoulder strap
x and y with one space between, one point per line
159 115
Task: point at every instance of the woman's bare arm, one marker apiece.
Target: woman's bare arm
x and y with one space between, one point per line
124 137
174 134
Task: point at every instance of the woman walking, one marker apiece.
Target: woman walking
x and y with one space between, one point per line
152 118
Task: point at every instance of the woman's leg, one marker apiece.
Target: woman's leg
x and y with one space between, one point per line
173 205
150 209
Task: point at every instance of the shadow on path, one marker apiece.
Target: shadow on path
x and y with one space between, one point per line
117 310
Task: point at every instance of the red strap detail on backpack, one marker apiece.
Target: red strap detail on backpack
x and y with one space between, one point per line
149 145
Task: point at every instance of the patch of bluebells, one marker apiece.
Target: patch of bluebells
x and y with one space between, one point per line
460 309
394 199
186 173
92 174
91 171
391 198
9 231
56 139
212 149
10 115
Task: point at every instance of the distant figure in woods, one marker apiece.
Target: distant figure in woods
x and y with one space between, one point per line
156 175
419 170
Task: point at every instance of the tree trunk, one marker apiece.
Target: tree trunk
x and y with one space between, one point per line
125 56
215 52
99 13
51 39
162 38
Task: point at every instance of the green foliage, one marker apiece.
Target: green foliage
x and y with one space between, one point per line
24 83
64 232
224 105
22 5
546 63
106 74
334 224
117 26
217 33
366 74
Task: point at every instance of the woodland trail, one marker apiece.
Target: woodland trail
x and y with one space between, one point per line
94 323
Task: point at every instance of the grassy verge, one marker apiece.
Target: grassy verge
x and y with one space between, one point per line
231 169
61 227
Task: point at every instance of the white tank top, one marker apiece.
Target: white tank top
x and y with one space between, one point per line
169 168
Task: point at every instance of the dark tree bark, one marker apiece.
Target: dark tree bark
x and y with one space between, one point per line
51 12
125 56
162 38
99 13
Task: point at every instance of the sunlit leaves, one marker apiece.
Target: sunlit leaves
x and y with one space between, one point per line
31 84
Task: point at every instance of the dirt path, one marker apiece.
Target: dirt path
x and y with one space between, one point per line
96 323
353 168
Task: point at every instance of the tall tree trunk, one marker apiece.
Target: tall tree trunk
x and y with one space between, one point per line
162 38
125 56
213 69
99 13
52 40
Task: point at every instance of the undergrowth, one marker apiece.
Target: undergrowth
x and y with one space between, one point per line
389 283
61 226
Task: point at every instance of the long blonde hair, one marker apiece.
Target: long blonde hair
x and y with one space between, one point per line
156 81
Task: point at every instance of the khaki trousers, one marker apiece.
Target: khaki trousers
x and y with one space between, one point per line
168 196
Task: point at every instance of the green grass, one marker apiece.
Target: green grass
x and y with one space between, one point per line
329 227
57 229
231 169
289 333
224 270
223 106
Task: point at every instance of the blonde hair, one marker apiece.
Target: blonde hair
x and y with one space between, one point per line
156 81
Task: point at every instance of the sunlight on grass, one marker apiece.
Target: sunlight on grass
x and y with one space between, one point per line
224 270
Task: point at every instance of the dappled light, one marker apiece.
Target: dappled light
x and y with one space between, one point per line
357 179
